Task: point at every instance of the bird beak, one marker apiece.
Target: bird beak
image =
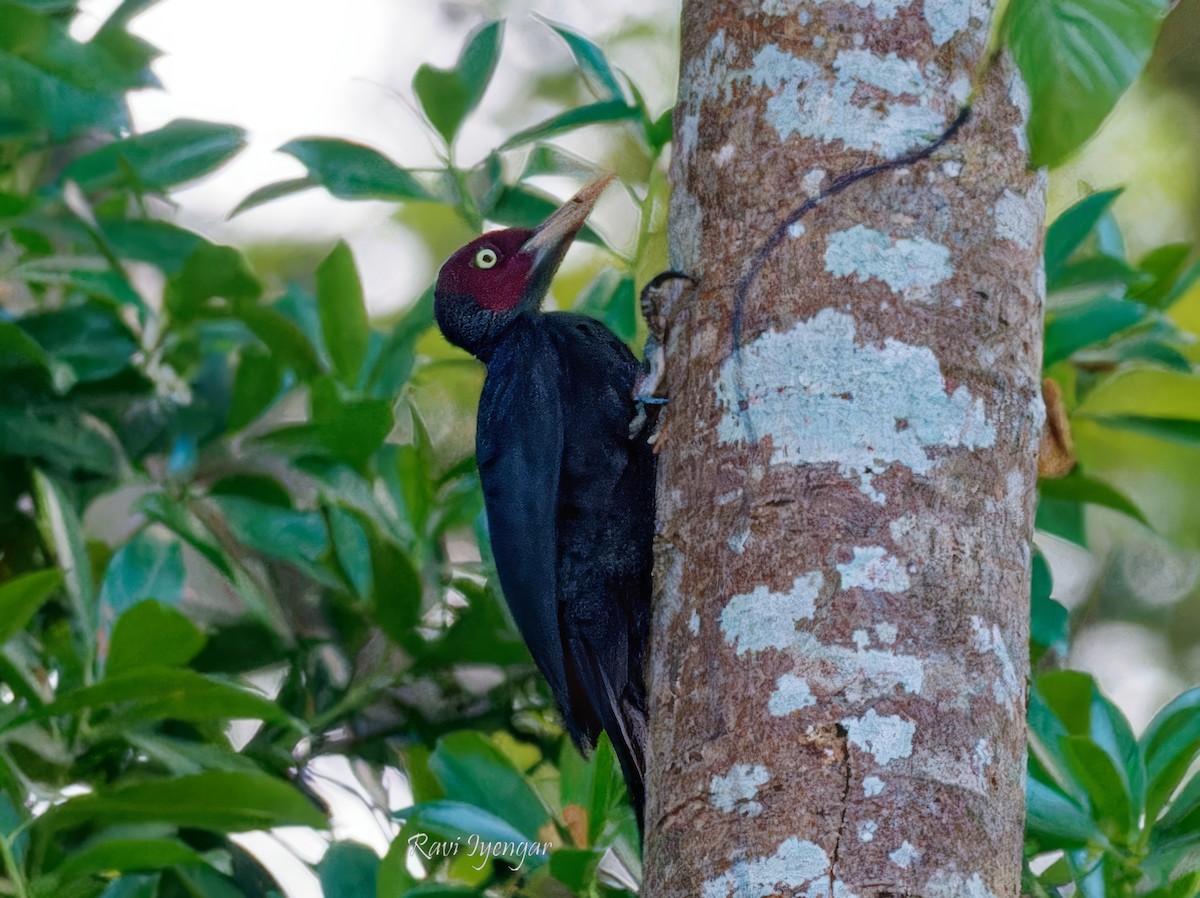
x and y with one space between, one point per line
550 241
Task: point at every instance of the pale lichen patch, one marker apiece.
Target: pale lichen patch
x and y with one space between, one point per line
1018 218
791 694
806 102
885 738
694 624
910 266
872 786
947 18
802 866
906 855
686 223
737 789
867 830
857 673
872 568
765 619
883 9
822 398
812 181
952 884
1008 687
967 771
1018 95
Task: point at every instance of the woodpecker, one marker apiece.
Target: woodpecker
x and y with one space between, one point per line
569 492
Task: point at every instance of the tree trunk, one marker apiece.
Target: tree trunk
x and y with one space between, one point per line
848 459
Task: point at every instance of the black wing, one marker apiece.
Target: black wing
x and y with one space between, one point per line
605 535
570 505
518 447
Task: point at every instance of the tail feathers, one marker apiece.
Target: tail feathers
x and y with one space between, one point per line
625 723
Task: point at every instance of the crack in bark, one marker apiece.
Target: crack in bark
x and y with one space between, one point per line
675 809
844 735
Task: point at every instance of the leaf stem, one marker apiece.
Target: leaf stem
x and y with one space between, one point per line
15 876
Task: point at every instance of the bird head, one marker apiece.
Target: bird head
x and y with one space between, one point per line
491 281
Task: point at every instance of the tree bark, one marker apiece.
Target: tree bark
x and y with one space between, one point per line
848 459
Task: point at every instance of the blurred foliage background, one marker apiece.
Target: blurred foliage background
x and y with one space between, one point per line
251 638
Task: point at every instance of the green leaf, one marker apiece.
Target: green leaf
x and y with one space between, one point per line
1066 707
1144 392
1185 283
55 440
52 86
471 769
284 338
18 350
179 519
607 788
256 386
580 116
211 272
151 634
343 313
1169 746
548 159
298 537
1104 783
275 191
181 151
389 367
1068 232
21 597
1078 487
62 532
1098 272
166 693
222 801
1087 324
574 868
611 298
600 76
103 859
146 567
1183 814
89 338
1056 820
160 243
352 431
448 96
1077 58
348 868
351 171
1162 265
352 549
126 12
1049 621
1174 430
396 599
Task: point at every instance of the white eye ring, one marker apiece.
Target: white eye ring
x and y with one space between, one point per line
486 258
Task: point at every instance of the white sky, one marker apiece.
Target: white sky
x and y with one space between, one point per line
342 68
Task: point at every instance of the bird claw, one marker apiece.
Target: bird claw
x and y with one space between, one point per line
642 400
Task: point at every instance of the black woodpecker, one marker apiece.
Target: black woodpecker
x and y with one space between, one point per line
569 492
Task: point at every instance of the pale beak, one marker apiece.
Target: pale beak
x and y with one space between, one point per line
550 241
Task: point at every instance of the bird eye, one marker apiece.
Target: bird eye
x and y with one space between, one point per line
486 258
